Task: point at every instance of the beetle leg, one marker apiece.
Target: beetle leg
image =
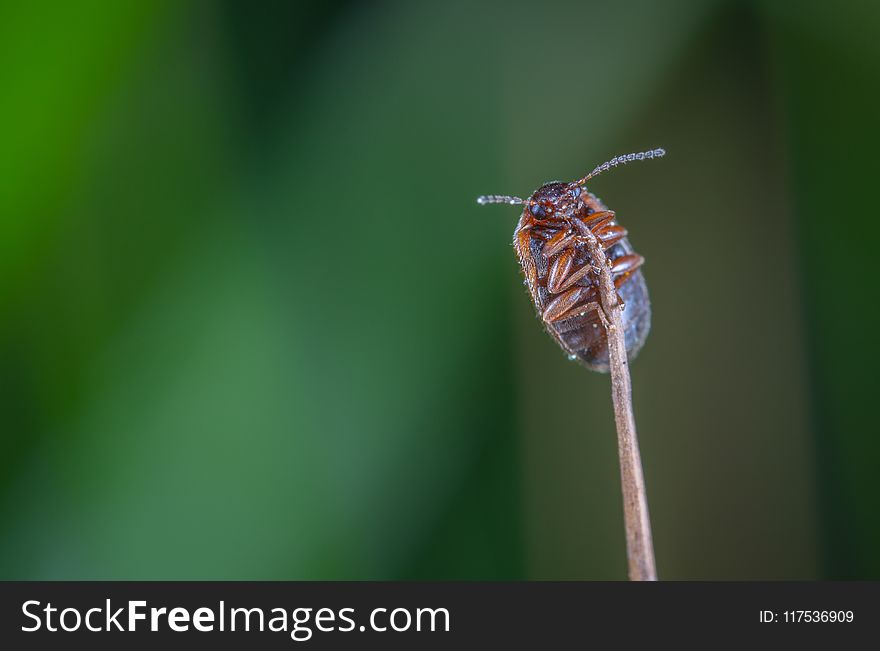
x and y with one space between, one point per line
567 310
559 242
626 264
598 219
621 269
562 304
570 304
561 277
598 223
575 277
560 272
610 235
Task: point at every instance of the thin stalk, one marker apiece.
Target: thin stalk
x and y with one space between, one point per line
639 546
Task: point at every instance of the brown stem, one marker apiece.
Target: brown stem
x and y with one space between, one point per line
639 547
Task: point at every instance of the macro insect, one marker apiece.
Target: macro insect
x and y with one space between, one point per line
551 243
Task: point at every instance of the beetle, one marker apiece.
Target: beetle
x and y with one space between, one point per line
550 241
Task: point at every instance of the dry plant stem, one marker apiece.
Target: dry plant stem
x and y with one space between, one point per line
639 547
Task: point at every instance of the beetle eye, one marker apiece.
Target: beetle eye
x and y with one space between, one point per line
539 211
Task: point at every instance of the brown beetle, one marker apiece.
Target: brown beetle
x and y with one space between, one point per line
560 274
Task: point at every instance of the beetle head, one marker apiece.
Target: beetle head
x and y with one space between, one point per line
554 199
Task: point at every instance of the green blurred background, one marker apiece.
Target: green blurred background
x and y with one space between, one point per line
253 324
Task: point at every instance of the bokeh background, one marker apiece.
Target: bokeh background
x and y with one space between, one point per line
253 324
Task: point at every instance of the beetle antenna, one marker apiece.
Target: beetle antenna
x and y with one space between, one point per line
623 159
498 198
